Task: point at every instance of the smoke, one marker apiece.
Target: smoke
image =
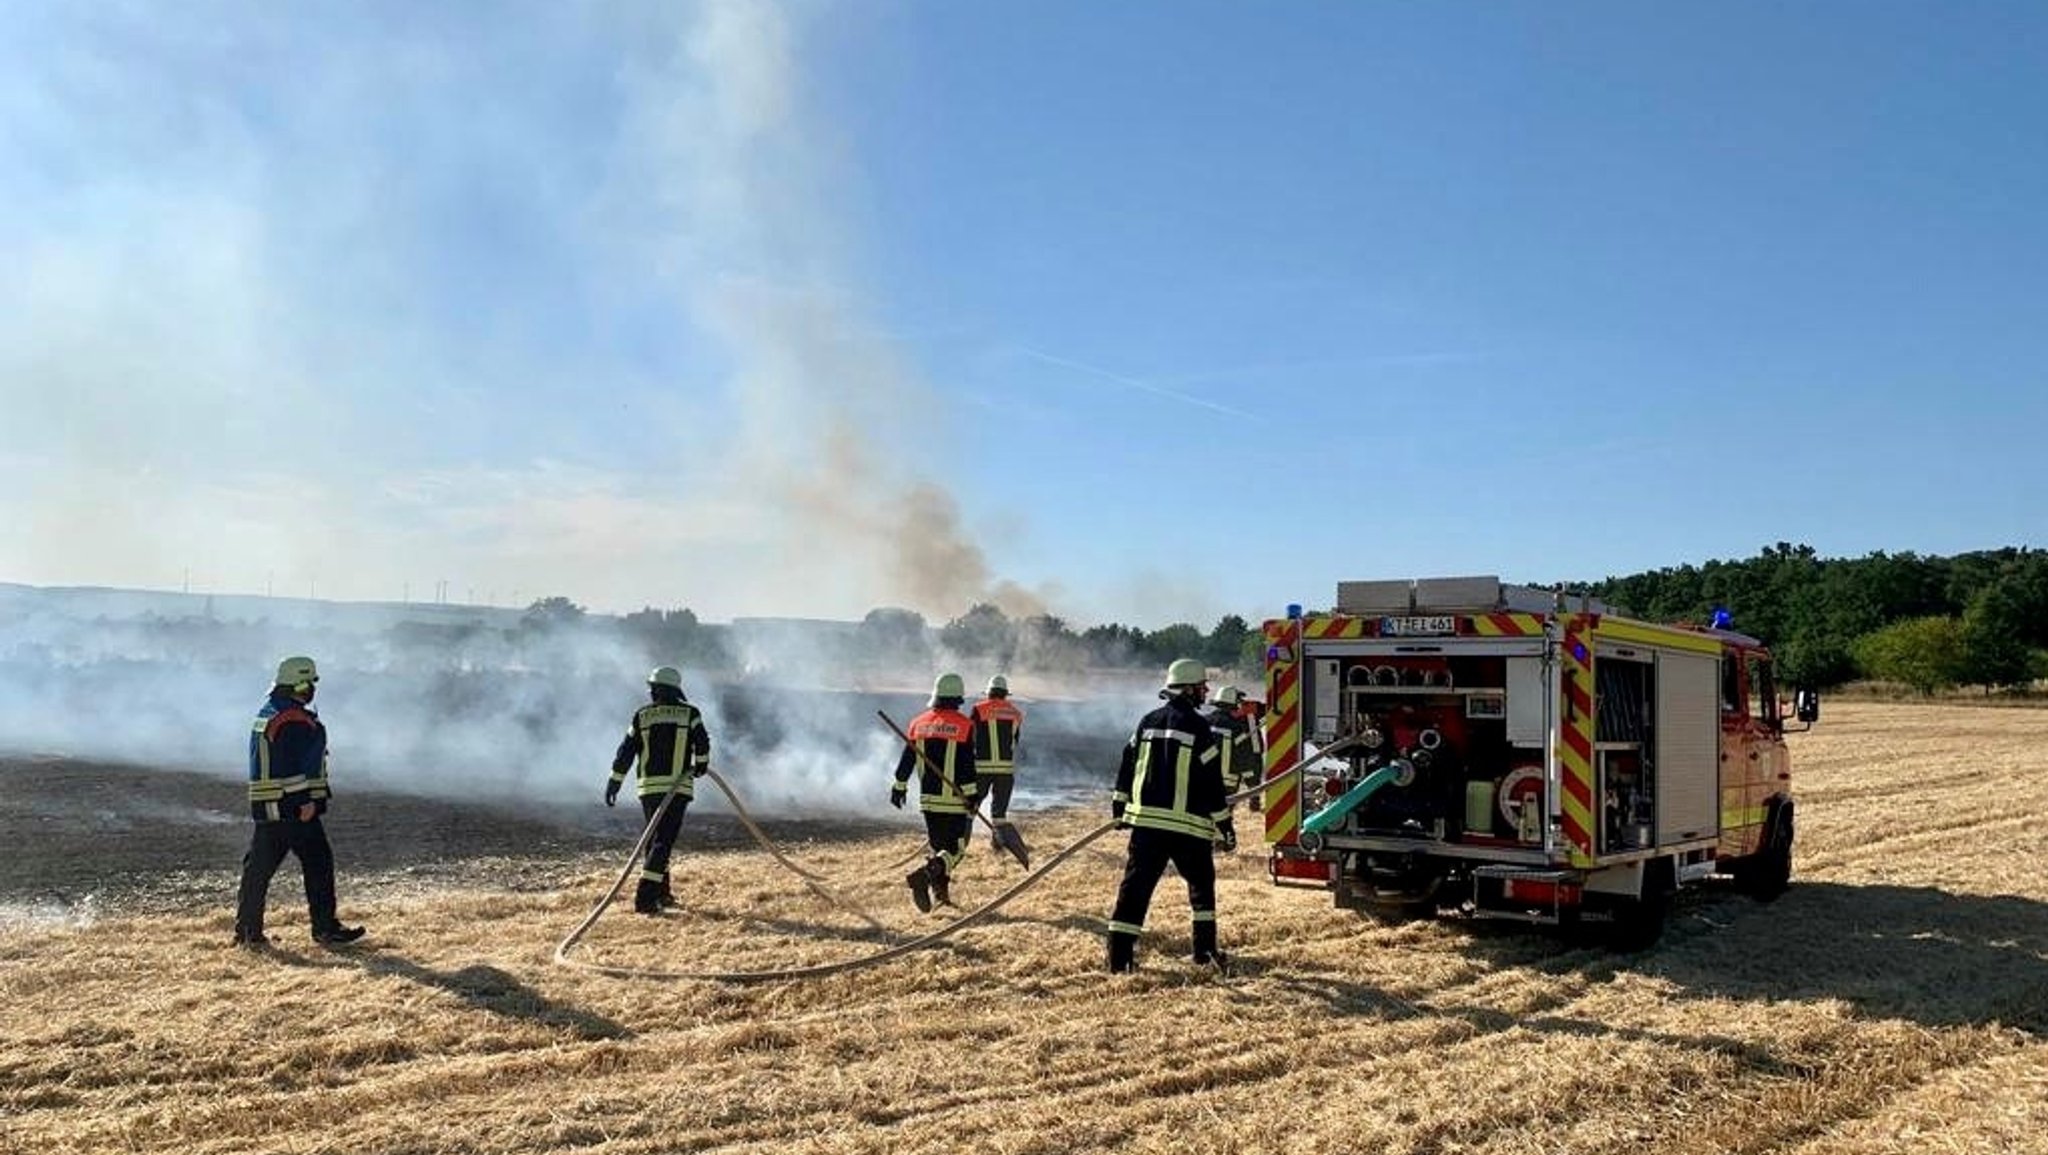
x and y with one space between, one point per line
561 305
558 304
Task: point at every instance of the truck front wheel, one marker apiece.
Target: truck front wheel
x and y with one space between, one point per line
1766 874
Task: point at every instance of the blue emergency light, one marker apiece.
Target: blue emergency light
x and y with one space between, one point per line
1722 619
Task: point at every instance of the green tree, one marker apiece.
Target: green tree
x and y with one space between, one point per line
1226 643
1994 637
899 637
1925 653
984 631
551 612
1179 640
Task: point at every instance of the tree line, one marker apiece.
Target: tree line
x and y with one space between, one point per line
1931 623
1926 622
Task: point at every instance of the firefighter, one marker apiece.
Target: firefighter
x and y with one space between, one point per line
1169 792
1239 761
1254 712
668 739
946 788
287 795
998 724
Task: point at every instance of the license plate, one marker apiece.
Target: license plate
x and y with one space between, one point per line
1413 627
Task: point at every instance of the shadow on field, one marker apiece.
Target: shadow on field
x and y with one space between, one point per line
490 989
1916 953
1908 952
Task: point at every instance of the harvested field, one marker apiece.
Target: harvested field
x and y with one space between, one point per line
1894 1001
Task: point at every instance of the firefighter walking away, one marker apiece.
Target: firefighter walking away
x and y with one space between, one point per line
1169 792
998 725
287 795
940 750
668 740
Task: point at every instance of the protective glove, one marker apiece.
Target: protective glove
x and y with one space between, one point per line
896 796
1116 812
1226 831
611 794
700 771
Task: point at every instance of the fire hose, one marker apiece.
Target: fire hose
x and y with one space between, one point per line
898 950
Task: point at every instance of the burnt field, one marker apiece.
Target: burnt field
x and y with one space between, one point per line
1894 1000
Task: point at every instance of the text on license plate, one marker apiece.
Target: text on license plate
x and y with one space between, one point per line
1409 627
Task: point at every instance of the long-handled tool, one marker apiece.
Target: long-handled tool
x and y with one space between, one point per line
1006 836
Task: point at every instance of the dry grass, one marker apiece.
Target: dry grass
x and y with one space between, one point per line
1894 1001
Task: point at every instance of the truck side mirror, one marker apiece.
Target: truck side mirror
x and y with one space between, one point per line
1806 706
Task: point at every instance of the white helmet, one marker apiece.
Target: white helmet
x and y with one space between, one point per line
666 676
999 685
1186 672
297 671
1228 696
948 686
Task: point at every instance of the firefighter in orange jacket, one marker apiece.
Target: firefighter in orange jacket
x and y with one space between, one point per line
668 740
1169 792
946 787
998 724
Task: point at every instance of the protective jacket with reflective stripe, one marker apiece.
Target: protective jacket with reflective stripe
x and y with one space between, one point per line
669 741
1171 774
947 739
1240 762
287 759
997 724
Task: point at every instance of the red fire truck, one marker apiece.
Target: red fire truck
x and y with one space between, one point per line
1511 752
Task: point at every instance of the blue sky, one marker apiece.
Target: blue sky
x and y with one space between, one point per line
1136 311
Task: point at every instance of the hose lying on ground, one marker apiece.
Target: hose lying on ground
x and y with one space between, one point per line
820 970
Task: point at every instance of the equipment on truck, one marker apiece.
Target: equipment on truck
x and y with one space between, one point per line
1517 753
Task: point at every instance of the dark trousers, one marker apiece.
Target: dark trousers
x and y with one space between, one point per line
1150 851
947 834
654 871
268 845
997 788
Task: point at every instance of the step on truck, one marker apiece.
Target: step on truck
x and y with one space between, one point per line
1512 752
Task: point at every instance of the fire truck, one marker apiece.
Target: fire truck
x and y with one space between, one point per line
1511 752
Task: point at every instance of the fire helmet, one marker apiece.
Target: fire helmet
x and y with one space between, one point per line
1228 696
297 671
999 685
948 686
666 676
1186 672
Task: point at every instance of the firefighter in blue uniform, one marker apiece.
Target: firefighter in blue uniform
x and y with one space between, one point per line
287 795
1169 792
946 788
668 740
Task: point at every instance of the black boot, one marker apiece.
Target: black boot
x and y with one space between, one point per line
337 934
1206 953
920 881
940 893
1123 952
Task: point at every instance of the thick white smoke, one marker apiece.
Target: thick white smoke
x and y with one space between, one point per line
224 363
